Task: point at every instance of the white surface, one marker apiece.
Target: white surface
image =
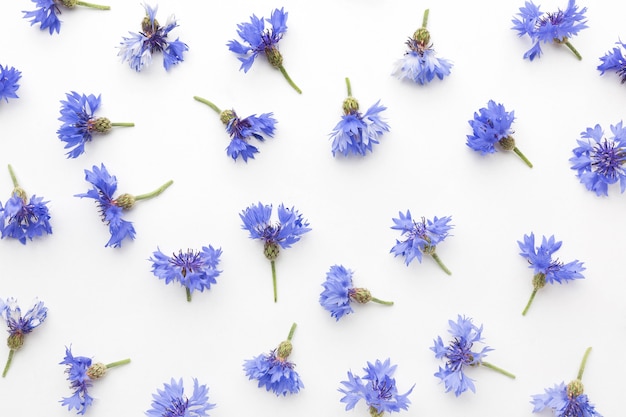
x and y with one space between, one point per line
107 304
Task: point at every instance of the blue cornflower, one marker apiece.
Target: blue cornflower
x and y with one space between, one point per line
79 123
274 371
613 60
21 218
377 388
242 131
9 78
81 372
47 11
546 269
557 27
459 355
290 227
19 326
261 41
172 401
339 292
420 64
356 133
420 238
104 186
490 126
600 161
194 270
137 50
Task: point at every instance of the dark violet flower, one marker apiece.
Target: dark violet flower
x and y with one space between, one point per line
287 231
420 237
79 123
491 126
339 292
258 40
18 325
567 400
172 401
9 78
420 64
613 60
21 218
600 161
377 388
459 355
137 50
104 187
274 371
241 131
557 27
356 133
81 372
194 270
546 269
47 11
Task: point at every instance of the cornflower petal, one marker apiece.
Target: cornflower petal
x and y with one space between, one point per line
9 78
172 402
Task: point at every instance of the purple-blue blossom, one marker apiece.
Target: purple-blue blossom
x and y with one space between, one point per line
47 10
614 60
171 401
9 78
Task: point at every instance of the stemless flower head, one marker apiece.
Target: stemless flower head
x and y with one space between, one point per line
600 160
47 11
80 382
9 78
613 60
377 388
171 401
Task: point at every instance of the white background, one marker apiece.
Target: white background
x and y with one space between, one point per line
107 304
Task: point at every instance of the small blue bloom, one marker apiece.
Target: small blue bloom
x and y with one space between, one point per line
45 15
9 78
613 60
377 388
557 27
80 382
172 401
137 50
563 403
600 161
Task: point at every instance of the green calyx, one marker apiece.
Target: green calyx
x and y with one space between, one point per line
15 341
284 349
350 105
226 116
374 412
126 201
575 388
147 27
97 370
271 250
422 36
100 125
361 295
274 57
507 143
539 280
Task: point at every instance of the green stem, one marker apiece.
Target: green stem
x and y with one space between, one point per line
123 124
530 301
8 365
118 363
376 300
291 331
291 83
583 363
93 6
13 177
188 291
521 155
436 258
425 18
571 47
349 87
155 192
208 103
498 369
274 279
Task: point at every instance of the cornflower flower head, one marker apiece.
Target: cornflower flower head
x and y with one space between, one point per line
138 49
420 237
19 326
194 270
356 133
287 231
491 126
258 40
79 122
459 355
172 401
9 78
613 60
80 373
339 293
104 186
600 160
420 63
546 269
47 10
557 27
274 371
242 131
377 388
567 400
21 218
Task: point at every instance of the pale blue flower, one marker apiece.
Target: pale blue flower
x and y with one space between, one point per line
172 401
9 78
614 60
47 11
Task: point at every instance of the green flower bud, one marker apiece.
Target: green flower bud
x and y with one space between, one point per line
374 412
284 349
350 105
508 143
271 250
15 341
575 388
148 28
361 295
125 201
274 57
101 125
226 116
429 249
96 370
539 280
69 3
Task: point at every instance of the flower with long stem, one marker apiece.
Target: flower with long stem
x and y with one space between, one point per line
47 11
9 78
172 401
547 270
79 122
274 371
356 132
459 355
81 372
19 326
104 186
242 131
614 60
21 218
262 41
419 63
